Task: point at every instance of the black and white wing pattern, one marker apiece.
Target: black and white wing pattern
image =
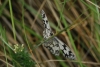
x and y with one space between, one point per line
54 44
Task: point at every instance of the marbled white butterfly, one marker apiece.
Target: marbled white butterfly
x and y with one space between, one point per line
54 44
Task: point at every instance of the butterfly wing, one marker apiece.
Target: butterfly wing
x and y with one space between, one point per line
65 50
47 30
52 44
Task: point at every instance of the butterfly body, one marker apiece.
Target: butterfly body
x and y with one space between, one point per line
54 44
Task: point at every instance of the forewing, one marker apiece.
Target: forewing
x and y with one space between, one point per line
47 30
52 44
65 50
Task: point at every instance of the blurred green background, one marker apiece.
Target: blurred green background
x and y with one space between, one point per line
76 23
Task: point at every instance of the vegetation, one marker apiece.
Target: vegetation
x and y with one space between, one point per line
75 22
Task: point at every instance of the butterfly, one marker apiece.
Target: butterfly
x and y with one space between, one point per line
55 45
